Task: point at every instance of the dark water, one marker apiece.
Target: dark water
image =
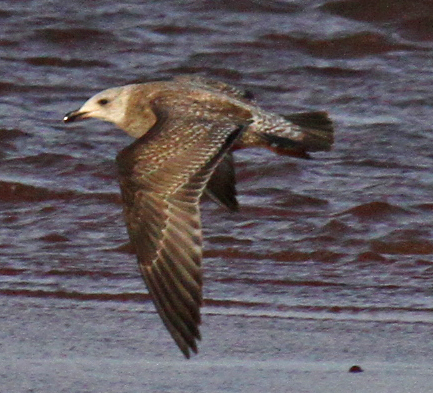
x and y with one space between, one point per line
344 237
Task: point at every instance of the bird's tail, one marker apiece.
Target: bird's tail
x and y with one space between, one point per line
317 135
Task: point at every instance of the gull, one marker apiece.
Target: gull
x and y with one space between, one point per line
186 130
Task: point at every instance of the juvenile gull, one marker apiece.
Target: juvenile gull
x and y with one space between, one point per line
186 129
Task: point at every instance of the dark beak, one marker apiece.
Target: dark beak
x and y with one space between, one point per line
73 116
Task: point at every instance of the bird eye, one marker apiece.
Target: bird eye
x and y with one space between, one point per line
103 101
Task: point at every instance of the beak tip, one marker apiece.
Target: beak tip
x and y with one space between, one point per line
72 116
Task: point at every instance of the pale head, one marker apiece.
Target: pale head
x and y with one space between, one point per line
108 105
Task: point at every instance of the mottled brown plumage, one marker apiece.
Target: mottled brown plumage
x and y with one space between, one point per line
186 129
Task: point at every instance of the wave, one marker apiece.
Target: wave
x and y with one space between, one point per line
374 210
20 192
347 45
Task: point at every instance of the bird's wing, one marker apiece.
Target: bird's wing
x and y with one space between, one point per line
221 187
161 188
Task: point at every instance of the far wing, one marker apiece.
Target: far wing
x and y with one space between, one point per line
221 187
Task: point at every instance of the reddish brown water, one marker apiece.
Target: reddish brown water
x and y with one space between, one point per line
340 240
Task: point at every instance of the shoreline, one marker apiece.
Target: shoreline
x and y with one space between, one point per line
53 345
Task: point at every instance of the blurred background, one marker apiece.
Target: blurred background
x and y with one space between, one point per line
329 261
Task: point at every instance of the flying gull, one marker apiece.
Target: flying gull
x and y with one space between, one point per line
185 131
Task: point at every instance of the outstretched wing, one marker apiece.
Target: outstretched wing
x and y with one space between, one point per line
161 188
